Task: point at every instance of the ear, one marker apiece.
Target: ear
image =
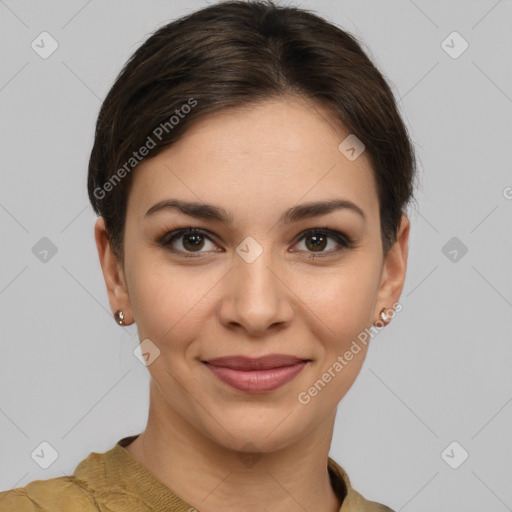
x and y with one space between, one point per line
113 274
393 270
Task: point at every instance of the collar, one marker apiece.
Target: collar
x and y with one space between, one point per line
130 483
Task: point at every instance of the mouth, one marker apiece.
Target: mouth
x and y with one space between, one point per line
256 375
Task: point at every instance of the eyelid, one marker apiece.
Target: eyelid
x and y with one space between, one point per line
344 241
334 234
175 234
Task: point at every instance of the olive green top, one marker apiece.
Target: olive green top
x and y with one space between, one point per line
117 482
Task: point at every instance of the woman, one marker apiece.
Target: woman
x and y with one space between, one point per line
251 173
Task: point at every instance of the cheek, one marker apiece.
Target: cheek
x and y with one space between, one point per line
167 301
342 309
342 301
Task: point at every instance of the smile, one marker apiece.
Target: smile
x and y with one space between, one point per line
256 375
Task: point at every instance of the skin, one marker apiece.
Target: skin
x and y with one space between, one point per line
254 163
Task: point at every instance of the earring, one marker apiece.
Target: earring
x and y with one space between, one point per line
384 318
119 316
383 315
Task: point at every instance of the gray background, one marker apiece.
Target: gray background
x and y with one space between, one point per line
440 372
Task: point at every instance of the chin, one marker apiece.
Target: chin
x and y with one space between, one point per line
257 431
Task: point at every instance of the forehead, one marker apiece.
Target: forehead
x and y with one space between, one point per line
281 151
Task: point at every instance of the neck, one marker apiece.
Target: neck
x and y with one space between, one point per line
214 478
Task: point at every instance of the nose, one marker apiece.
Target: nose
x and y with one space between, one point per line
256 297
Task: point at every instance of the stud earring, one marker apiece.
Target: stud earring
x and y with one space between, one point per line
383 319
383 315
119 316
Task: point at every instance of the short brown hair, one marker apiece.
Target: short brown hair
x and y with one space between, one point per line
234 54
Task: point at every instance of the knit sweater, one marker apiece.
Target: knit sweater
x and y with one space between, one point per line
115 481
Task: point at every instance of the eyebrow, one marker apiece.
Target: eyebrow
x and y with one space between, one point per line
293 214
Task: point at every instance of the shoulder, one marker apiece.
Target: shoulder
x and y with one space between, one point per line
353 501
90 489
369 506
357 503
55 495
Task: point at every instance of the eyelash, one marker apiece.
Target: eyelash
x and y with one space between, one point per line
343 241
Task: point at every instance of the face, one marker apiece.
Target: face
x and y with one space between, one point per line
272 278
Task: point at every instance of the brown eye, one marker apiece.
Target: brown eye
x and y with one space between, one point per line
316 240
192 241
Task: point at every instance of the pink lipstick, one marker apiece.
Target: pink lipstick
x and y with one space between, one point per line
256 375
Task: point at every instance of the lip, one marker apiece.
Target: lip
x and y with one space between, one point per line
256 375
